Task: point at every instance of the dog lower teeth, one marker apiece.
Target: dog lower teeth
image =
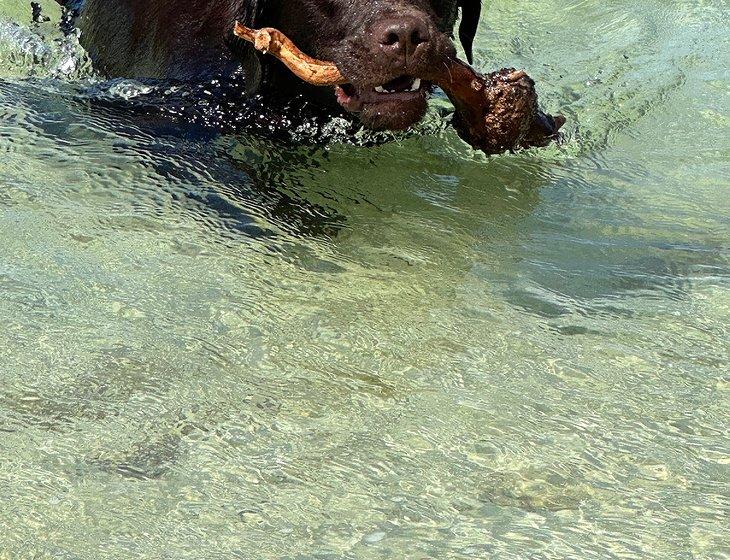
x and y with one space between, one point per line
415 86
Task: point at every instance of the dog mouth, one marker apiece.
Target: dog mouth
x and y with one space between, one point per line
397 92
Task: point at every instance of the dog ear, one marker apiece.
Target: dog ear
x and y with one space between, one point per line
470 12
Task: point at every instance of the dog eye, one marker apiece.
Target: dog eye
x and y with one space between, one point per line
328 8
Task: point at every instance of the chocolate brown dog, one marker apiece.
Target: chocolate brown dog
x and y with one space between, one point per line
383 47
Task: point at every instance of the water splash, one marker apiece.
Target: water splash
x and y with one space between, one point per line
41 51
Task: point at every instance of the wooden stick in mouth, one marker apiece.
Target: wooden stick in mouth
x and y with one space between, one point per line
494 113
274 42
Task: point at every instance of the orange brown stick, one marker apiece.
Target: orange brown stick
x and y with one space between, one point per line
274 42
494 113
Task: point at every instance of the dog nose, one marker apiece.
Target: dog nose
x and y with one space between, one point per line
400 36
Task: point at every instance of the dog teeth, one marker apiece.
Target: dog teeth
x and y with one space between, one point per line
415 86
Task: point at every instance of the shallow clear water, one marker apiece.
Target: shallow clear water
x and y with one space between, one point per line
221 347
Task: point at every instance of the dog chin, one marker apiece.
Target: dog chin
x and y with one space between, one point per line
393 115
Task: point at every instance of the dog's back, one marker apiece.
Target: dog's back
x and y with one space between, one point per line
181 40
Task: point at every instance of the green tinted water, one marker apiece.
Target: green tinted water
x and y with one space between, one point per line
221 348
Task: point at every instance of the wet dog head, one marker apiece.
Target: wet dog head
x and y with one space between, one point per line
383 47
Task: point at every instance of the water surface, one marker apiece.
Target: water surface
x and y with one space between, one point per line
225 347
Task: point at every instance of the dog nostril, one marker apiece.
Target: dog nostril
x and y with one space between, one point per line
417 38
390 39
401 34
